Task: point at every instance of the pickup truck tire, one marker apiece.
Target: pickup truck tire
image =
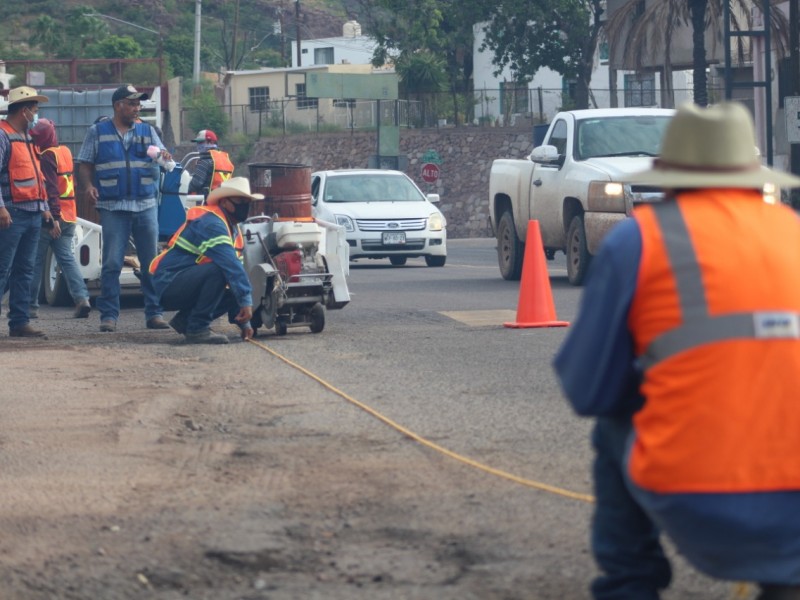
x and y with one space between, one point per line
578 257
54 284
509 248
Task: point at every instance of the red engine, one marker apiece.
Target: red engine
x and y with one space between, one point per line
289 264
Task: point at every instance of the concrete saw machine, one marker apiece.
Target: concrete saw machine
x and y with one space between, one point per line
297 269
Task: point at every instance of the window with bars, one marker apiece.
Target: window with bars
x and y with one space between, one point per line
259 98
640 90
303 102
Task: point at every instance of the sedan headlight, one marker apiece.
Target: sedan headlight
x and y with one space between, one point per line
345 222
436 222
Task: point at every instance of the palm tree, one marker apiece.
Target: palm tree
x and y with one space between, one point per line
645 28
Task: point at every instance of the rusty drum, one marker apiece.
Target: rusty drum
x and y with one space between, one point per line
286 189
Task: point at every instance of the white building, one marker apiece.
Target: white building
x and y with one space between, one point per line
350 48
501 98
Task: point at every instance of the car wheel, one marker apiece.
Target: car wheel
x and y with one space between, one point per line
435 261
578 257
398 261
54 283
509 248
317 315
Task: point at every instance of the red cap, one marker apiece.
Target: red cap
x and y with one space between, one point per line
206 135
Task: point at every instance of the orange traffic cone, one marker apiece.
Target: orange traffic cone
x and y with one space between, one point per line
535 307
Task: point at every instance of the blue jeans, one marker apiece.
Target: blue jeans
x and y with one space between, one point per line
625 541
17 254
201 293
118 227
63 249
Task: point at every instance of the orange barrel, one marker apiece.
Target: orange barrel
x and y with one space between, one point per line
286 189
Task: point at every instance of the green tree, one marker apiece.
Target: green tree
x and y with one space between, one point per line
559 34
441 28
80 31
114 46
48 34
203 111
639 30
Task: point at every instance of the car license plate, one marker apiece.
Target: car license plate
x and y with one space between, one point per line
394 238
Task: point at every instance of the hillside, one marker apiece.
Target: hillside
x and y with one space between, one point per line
264 30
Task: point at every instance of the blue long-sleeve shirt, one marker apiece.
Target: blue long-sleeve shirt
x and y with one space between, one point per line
197 231
597 369
596 363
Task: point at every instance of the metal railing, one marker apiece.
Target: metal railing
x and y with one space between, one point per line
491 108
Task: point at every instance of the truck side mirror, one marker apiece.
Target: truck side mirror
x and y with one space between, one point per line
545 154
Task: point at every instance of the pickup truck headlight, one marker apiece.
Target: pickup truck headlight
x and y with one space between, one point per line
606 196
436 222
345 222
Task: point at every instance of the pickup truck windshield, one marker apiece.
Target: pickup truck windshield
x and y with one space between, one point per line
371 188
620 136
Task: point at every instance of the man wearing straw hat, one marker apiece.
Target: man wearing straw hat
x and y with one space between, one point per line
687 350
200 273
23 207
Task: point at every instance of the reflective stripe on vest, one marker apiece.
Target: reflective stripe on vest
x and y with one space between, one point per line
25 178
177 241
699 327
223 168
66 182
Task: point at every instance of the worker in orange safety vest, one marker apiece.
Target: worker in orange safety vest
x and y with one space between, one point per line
214 166
687 350
57 168
201 274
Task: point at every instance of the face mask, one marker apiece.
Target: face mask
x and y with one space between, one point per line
241 211
32 122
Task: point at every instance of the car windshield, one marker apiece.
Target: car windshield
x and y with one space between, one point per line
620 136
371 188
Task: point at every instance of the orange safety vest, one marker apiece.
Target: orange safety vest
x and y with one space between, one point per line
223 168
192 214
66 182
715 320
24 169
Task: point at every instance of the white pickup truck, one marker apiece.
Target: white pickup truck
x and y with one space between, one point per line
570 184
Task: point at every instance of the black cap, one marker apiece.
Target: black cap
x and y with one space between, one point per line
128 92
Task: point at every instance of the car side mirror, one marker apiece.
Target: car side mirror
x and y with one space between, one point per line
433 198
545 154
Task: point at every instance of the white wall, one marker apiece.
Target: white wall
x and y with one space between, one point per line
348 50
551 84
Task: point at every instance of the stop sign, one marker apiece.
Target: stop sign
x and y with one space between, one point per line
430 172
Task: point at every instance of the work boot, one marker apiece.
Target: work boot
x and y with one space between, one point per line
26 331
82 309
179 321
157 322
108 325
33 313
205 336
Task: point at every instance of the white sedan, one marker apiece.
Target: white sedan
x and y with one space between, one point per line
384 213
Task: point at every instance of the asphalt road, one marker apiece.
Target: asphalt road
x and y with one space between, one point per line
425 348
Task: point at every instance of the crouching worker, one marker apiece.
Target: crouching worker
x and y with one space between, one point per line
200 273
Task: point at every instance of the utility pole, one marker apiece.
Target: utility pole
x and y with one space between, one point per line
235 32
198 9
297 26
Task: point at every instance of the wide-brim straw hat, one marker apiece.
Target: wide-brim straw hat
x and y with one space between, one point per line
712 147
235 187
25 94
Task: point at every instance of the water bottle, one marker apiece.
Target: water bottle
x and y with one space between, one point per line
157 155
